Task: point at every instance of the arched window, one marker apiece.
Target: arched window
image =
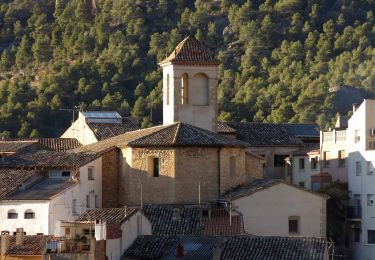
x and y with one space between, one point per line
199 90
12 214
167 89
29 214
185 89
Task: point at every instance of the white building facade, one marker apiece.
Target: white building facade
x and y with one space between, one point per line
361 181
37 213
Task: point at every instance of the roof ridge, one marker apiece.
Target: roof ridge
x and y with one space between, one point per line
177 132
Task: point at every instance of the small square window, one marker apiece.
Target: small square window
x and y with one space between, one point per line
302 163
293 225
67 231
370 199
12 215
279 160
29 215
65 174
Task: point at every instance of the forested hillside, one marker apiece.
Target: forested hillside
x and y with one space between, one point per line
281 59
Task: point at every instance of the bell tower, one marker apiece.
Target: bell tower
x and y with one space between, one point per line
190 80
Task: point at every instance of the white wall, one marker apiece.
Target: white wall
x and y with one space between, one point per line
363 120
266 212
304 175
198 115
30 226
81 131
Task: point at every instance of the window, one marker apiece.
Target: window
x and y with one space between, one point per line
232 166
302 163
293 225
185 89
370 199
326 158
302 184
153 166
65 174
96 201
370 168
357 136
87 201
74 206
12 214
279 160
341 157
371 144
90 173
371 236
358 168
167 90
29 214
67 231
357 234
314 163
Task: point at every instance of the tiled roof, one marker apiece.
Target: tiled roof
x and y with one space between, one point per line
223 128
165 247
57 144
114 215
274 248
302 130
190 51
107 130
190 221
16 146
49 159
32 245
43 190
259 185
177 134
11 179
261 134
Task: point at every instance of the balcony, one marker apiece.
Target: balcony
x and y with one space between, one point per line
68 246
354 212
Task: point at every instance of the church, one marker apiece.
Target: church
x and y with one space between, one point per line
184 160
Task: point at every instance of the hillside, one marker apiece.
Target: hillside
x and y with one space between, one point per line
281 59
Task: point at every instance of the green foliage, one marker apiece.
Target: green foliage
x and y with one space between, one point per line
279 57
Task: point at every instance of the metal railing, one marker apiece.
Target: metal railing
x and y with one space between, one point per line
68 246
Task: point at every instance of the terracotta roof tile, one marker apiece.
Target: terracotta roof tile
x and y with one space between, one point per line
57 144
113 215
10 147
104 131
274 248
32 245
11 179
190 52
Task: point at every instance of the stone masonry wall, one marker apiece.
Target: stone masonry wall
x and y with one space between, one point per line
239 177
110 173
253 167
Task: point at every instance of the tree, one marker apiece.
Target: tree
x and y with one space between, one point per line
23 54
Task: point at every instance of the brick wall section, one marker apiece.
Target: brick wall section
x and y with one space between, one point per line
113 230
100 248
110 179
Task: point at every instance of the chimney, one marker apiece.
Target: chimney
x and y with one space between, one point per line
5 241
355 107
180 251
19 236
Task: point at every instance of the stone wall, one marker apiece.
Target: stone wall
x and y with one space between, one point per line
182 171
253 167
110 179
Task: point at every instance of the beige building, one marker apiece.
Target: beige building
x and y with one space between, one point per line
266 212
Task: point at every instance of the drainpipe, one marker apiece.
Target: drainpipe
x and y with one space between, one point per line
218 170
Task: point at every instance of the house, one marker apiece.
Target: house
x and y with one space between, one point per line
277 208
360 137
274 142
93 126
39 189
306 166
20 246
117 227
221 248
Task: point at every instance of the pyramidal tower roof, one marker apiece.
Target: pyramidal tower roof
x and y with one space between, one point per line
190 51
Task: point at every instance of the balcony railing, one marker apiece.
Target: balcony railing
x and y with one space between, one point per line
354 212
67 246
334 136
